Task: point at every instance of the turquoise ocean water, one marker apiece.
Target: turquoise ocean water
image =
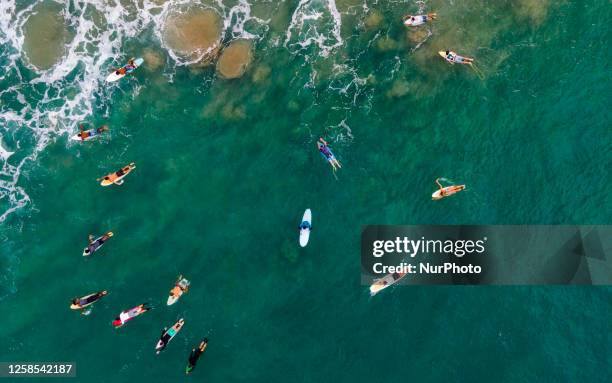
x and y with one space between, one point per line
226 167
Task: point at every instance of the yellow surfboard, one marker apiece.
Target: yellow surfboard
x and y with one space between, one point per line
117 177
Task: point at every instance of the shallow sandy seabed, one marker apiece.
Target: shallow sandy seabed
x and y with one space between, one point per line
536 10
45 35
154 60
468 32
235 59
399 88
261 73
193 33
417 35
385 44
226 105
373 19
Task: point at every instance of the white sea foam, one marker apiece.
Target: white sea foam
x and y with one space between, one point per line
315 23
4 153
75 84
237 16
30 119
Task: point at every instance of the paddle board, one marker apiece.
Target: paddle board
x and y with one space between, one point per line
168 335
305 231
115 76
117 177
384 282
449 190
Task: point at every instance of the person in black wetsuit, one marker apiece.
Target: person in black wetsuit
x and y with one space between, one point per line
195 355
93 298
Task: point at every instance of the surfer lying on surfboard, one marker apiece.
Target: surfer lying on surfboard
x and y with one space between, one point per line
454 58
117 177
327 154
446 191
96 243
413 21
195 355
130 314
168 334
86 134
84 303
127 68
181 286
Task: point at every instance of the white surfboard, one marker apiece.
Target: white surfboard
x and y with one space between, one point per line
93 133
413 21
172 300
384 282
448 191
305 232
182 285
416 20
115 77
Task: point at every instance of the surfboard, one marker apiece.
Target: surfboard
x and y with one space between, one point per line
92 134
414 21
305 232
180 286
87 297
449 190
443 54
115 77
126 316
112 178
454 60
173 298
384 282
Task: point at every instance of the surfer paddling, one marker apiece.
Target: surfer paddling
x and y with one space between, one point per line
443 192
117 177
96 243
327 154
87 134
127 68
85 303
195 355
168 334
181 286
